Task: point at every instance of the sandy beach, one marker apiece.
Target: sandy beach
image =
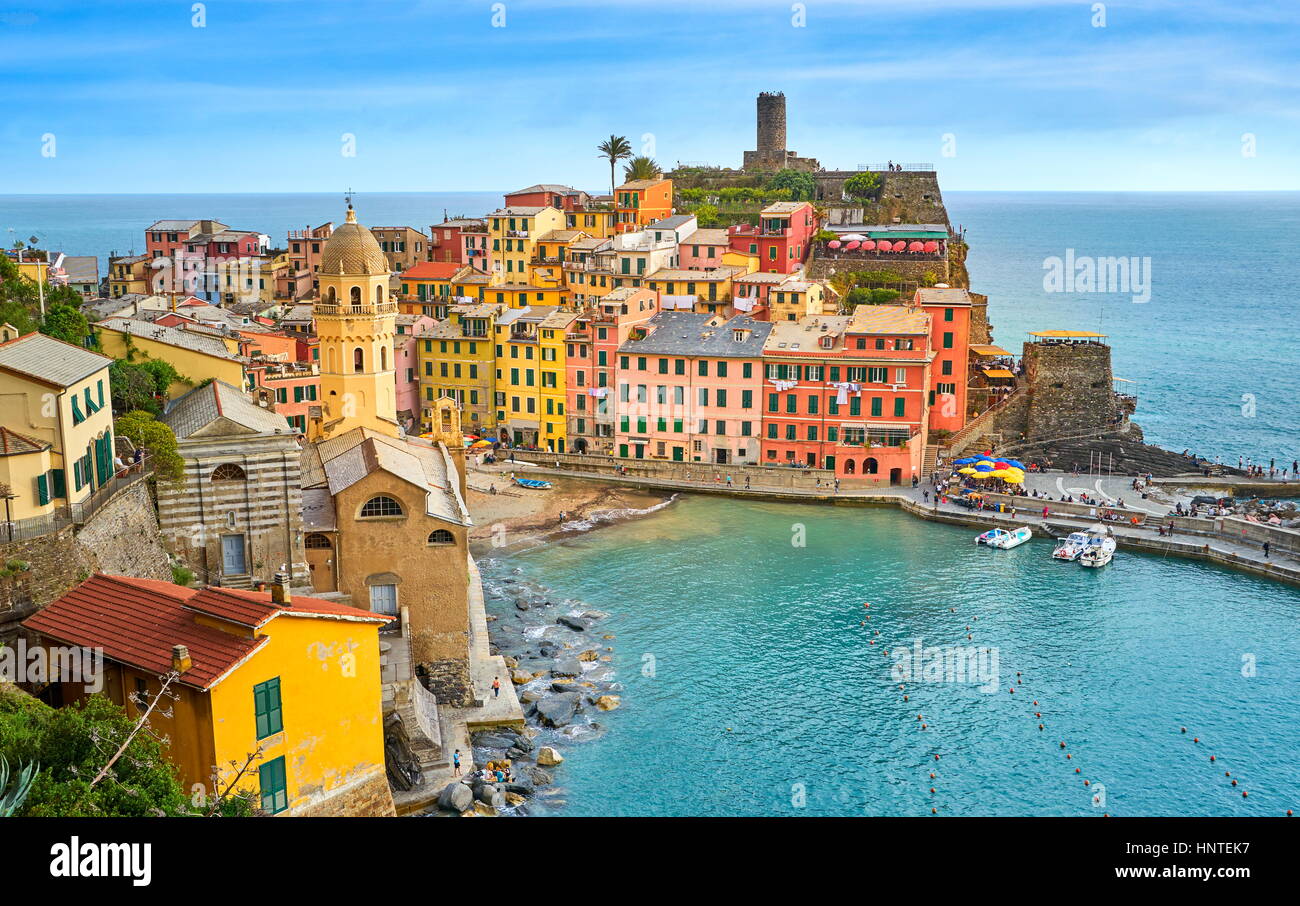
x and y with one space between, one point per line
524 513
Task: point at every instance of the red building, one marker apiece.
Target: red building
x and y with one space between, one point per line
949 310
166 238
449 241
848 393
782 238
548 195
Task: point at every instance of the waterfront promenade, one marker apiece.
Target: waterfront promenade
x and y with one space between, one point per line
1200 538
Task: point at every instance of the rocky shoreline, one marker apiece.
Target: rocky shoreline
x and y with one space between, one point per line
560 663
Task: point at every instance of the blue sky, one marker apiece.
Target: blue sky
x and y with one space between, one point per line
1035 96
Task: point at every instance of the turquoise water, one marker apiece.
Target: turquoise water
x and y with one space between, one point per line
763 678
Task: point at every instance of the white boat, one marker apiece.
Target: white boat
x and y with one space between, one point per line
1005 540
1100 549
1071 546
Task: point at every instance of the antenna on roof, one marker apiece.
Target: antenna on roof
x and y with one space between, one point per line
348 197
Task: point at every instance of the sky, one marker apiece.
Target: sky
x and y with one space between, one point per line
443 95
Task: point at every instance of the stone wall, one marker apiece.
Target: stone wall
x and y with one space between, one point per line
1070 389
121 538
913 196
366 797
924 271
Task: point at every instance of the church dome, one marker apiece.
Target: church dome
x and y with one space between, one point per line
352 250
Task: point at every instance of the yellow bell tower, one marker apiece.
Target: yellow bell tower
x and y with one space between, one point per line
355 321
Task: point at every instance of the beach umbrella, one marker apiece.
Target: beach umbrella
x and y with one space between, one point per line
833 244
1001 464
854 236
1014 479
868 244
967 471
852 245
1016 463
967 460
932 246
481 443
900 245
915 246
983 467
984 462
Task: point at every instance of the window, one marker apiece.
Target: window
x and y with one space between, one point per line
381 506
317 541
271 781
383 599
900 407
441 536
947 340
228 471
267 708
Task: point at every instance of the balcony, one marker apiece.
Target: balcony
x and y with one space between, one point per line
364 310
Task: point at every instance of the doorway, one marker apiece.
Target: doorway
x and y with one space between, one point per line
233 559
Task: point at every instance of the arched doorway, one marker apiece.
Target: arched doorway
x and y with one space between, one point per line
849 467
870 467
895 476
320 561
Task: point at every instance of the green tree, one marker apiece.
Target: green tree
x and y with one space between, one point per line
65 322
862 186
802 186
614 149
707 215
641 168
156 438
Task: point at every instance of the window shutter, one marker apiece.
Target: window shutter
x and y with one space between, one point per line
43 489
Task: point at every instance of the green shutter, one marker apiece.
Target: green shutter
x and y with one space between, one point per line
266 708
60 483
77 417
274 789
43 488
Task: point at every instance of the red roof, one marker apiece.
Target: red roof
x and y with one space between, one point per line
137 621
432 270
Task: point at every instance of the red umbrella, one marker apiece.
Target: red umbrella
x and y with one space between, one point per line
868 244
900 245
915 246
932 246
833 244
852 245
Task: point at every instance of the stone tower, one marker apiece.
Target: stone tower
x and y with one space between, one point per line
1070 385
356 321
771 125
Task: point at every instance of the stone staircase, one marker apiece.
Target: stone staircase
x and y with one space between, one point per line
930 459
975 429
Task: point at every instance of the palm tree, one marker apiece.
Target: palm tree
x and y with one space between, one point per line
642 168
616 149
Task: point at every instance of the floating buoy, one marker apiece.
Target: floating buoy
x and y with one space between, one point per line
932 789
1076 770
1040 726
918 717
873 641
932 775
1227 773
1035 701
936 758
968 635
1017 673
1012 690
1086 783
1211 758
1062 744
1068 756
1234 783
1288 813
923 726
934 811
1038 714
1184 729
1244 794
904 698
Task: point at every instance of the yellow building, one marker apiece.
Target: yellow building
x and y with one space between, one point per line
522 295
713 289
289 686
456 359
598 221
518 375
130 274
356 322
427 289
57 412
553 426
513 233
196 356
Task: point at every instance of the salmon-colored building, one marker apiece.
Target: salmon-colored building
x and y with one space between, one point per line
592 343
782 238
848 393
949 309
641 202
688 389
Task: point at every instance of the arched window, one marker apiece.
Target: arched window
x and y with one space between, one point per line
379 295
317 542
441 536
330 296
358 359
870 467
228 471
381 506
383 358
356 295
849 467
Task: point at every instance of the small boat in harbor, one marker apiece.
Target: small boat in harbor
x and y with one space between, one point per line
1005 540
535 484
1100 549
1071 546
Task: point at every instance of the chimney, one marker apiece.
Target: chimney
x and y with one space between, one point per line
280 587
181 658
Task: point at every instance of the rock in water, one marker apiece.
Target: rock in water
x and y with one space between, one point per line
570 666
557 710
548 756
589 655
577 624
513 799
519 677
456 796
491 794
482 809
608 702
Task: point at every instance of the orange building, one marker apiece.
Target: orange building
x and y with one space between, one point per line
949 310
642 202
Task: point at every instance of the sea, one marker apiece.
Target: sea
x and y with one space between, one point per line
756 681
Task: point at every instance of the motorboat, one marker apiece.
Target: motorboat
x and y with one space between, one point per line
1071 546
1100 549
1005 540
535 484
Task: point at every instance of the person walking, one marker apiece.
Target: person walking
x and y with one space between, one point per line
1265 550
837 485
746 482
496 687
729 483
455 763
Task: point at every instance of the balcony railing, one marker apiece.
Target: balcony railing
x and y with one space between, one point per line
78 513
383 308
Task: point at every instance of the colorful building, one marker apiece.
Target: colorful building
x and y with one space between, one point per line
426 288
782 238
848 393
591 347
949 309
454 358
518 393
514 232
57 446
552 378
406 368
703 249
707 292
688 389
304 249
287 685
403 246
640 202
130 274
449 241
589 270
563 198
196 356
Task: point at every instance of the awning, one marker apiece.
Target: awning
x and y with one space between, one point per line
987 349
998 373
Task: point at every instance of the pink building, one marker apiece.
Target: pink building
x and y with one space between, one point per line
703 249
304 247
689 389
592 343
782 238
166 238
406 368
